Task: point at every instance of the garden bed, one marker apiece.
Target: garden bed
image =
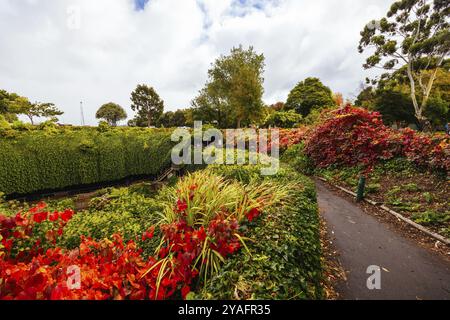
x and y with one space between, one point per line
187 240
419 195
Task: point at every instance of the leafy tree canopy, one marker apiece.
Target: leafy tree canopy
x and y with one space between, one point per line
308 95
414 34
283 119
112 113
233 94
147 103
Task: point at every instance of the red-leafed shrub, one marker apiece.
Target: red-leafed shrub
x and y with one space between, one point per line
31 233
351 136
287 138
431 151
354 136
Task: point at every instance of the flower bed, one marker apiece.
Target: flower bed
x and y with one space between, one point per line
204 221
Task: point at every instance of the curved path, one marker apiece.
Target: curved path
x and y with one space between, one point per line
408 272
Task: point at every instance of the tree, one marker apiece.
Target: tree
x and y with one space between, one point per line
338 99
308 95
279 106
280 119
173 119
147 103
6 102
22 105
112 113
415 33
233 94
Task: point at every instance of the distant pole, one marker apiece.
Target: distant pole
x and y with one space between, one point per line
82 113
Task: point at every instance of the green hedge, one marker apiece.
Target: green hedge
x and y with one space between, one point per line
285 261
39 160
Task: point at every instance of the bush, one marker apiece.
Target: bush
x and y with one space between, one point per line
280 119
295 156
350 136
47 160
357 137
285 255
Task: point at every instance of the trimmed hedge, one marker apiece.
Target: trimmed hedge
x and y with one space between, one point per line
285 261
54 159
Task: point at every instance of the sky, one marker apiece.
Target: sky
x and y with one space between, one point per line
98 51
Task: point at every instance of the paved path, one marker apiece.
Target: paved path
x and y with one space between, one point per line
408 271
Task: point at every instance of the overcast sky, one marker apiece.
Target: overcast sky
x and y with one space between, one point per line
64 51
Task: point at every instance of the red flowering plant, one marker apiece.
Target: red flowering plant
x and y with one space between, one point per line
200 230
30 233
203 227
107 270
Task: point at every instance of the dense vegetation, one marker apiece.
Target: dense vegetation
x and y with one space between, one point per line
55 158
189 239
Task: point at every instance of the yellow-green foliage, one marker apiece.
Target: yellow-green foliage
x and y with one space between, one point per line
37 160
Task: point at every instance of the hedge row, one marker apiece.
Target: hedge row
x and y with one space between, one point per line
50 160
285 260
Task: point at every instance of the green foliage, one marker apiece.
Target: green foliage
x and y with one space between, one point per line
431 218
295 156
392 98
414 33
285 256
280 119
173 119
149 106
308 95
112 113
232 97
129 211
45 160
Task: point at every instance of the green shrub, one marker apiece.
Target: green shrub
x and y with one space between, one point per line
52 158
296 158
123 211
285 255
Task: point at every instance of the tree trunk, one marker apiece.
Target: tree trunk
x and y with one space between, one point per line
31 119
149 120
417 109
239 123
427 92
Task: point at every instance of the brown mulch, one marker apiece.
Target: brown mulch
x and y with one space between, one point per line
333 273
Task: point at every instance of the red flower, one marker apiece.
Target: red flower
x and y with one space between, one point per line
200 234
67 215
8 244
54 216
148 234
253 214
40 217
181 206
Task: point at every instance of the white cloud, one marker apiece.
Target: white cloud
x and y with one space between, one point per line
170 46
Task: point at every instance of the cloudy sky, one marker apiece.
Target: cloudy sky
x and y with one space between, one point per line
65 51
